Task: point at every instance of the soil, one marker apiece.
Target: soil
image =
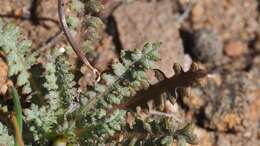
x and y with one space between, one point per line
226 106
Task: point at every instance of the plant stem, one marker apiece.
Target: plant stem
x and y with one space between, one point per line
72 42
18 133
17 108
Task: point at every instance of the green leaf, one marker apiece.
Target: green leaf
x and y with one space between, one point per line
100 88
139 75
109 79
167 141
147 64
19 57
22 78
181 141
137 55
76 5
94 22
17 108
94 5
5 138
24 45
118 69
73 22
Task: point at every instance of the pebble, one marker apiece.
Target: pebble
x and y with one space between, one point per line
208 46
235 49
3 77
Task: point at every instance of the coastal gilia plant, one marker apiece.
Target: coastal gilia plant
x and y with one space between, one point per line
52 111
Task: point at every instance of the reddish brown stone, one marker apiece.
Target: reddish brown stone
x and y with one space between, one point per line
141 22
235 49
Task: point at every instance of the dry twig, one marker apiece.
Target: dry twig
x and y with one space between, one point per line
72 42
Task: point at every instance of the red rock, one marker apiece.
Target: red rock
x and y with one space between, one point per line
235 49
3 77
140 22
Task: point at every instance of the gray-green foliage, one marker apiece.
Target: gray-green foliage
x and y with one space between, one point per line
44 118
5 138
65 82
50 118
90 118
73 22
76 5
63 115
18 57
125 79
93 24
94 5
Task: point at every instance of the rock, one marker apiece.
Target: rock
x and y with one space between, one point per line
141 22
235 48
230 104
187 61
222 140
208 47
3 77
229 18
205 138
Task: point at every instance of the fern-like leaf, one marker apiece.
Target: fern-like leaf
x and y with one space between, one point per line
18 57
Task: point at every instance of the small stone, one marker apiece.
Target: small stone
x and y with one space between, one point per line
204 137
230 18
3 77
235 49
223 140
197 12
208 46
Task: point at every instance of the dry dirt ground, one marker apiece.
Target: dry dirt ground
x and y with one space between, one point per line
222 35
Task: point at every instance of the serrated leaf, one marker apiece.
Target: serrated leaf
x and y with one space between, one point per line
73 22
95 5
181 141
139 75
76 5
22 78
167 141
108 78
118 69
148 64
100 88
148 47
137 55
94 22
19 57
24 45
113 99
26 89
5 138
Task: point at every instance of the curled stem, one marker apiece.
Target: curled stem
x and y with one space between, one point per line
72 42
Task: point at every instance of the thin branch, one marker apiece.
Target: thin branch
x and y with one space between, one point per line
27 17
50 42
186 13
72 42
